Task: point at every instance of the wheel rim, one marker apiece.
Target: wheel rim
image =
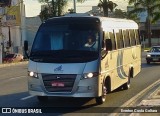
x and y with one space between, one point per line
128 83
104 93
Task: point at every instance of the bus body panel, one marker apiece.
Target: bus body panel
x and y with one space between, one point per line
81 87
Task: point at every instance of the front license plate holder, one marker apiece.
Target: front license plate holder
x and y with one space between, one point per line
57 84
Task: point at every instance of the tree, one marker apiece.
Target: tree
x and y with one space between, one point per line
53 8
133 16
107 5
118 13
81 1
44 14
152 7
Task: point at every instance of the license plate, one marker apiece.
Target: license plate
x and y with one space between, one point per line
155 59
57 84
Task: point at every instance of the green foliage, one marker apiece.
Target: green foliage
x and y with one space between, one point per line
53 8
107 5
81 1
44 14
133 16
152 7
118 13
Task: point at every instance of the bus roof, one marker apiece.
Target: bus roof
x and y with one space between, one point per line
105 21
118 23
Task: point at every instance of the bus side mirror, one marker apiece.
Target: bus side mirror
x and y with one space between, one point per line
26 48
108 44
25 45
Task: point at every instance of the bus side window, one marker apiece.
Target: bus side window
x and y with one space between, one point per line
121 38
126 38
105 36
112 37
132 36
137 37
103 49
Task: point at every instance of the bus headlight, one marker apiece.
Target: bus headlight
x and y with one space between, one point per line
148 55
90 75
32 74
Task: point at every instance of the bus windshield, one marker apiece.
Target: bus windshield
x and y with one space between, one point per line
70 43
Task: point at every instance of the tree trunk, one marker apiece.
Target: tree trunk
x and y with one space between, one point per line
105 11
149 28
149 33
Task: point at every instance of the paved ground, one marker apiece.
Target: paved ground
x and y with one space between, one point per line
153 100
12 64
150 105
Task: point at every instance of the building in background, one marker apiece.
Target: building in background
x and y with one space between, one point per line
32 25
12 27
96 11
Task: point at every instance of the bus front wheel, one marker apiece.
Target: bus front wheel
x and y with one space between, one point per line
102 99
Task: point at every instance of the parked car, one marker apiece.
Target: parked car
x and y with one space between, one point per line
153 55
13 58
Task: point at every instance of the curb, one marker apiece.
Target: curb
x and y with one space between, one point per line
13 64
132 103
153 99
133 100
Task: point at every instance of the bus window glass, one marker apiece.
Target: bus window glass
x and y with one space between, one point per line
126 38
137 37
121 39
112 37
132 36
106 36
67 41
119 46
66 38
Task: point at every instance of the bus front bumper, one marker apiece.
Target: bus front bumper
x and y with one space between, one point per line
83 88
37 93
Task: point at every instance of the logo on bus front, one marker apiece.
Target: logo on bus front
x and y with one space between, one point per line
58 69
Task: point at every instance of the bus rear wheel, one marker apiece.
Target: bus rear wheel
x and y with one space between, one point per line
148 62
102 99
42 98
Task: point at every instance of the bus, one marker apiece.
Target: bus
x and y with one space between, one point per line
61 65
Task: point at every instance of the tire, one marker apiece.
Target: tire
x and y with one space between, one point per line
131 73
148 62
127 84
102 99
42 98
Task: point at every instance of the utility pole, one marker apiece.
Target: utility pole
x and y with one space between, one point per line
74 5
1 43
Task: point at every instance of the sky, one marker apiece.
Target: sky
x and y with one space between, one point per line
33 7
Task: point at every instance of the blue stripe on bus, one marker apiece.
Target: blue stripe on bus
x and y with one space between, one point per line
120 70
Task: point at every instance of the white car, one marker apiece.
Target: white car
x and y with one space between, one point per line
153 55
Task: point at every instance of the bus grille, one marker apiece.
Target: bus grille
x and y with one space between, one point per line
58 83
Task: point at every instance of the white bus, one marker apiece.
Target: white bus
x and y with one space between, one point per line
62 64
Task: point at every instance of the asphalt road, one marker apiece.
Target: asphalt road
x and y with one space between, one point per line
13 91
